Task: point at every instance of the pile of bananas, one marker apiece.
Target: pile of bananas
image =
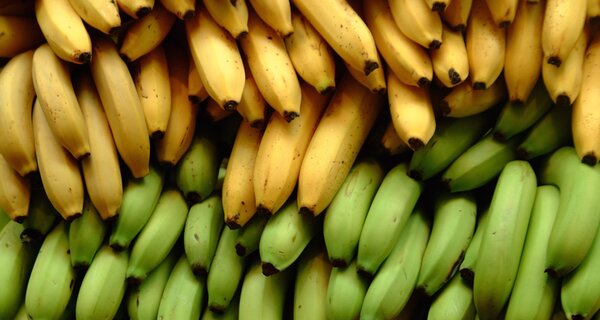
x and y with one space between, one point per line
306 159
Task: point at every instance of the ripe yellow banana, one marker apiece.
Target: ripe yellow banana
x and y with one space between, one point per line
19 35
231 15
136 9
438 5
450 61
418 22
391 142
15 192
463 100
102 15
183 9
457 13
275 13
503 11
375 81
252 106
563 23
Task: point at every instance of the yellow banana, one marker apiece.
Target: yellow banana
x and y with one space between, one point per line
19 35
231 15
15 192
563 23
457 13
183 9
418 22
252 106
136 9
463 100
391 142
503 11
438 5
375 81
275 13
196 90
450 61
101 15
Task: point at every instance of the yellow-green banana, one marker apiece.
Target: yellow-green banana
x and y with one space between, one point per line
86 235
226 272
249 237
551 132
346 291
311 283
184 294
454 302
467 266
41 217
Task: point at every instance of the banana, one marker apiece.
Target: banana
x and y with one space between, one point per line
249 237
253 107
213 112
375 81
196 90
514 118
276 14
453 227
395 281
64 30
438 5
311 56
411 112
139 200
551 132
281 151
101 15
265 52
503 239
217 59
15 192
345 31
384 223
231 313
41 218
137 9
103 286
59 171
101 169
345 216
390 141
51 281
450 61
457 14
227 269
311 283
57 98
183 9
21 313
418 22
122 106
146 33
152 83
86 235
479 164
463 100
592 12
486 43
184 294
467 266
4 218
534 293
585 120
455 301
452 137
346 291
563 23
503 11
20 35
16 100
524 57
231 15
340 134
201 234
17 259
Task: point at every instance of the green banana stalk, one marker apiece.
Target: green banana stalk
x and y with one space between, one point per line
184 293
395 281
51 281
384 222
231 313
158 236
550 133
534 293
467 266
139 200
453 227
263 297
41 217
201 233
346 214
86 234
226 272
249 237
103 286
4 218
285 236
454 302
504 237
480 164
346 292
312 280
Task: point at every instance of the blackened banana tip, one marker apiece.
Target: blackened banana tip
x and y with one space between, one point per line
454 76
370 66
555 61
563 101
438 7
416 144
269 269
240 250
435 44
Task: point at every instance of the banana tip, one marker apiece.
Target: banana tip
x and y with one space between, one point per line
577 317
424 82
415 144
84 57
216 309
563 101
305 211
415 174
552 273
338 262
504 24
230 105
590 159
290 115
72 217
439 7
364 273
233 225
435 44
479 85
262 210
327 90
118 247
467 275
19 219
454 76
199 270
134 281
269 269
555 61
240 250
188 15
522 153
498 136
157 135
29 235
445 108
258 124
142 12
370 66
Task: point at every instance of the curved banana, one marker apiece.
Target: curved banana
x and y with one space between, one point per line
253 107
249 237
226 272
457 13
311 283
197 172
467 266
101 15
231 15
463 100
450 61
564 21
503 11
15 192
20 34
86 235
275 13
418 22
41 218
183 9
455 301
375 81
136 9
551 132
346 291
184 293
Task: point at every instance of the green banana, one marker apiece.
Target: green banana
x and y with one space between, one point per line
515 118
346 214
86 235
139 199
285 236
312 280
201 233
51 281
454 302
480 164
453 227
226 271
578 215
103 286
451 138
184 294
4 218
395 281
41 217
16 259
384 222
158 236
550 133
534 293
503 239
346 292
231 313
20 315
249 236
143 300
467 266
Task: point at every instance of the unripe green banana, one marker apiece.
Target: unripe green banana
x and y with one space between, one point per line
201 233
4 218
454 302
384 221
86 235
51 281
312 280
395 281
534 293
285 236
479 164
453 227
346 214
550 133
515 118
451 138
226 271
504 237
41 217
16 259
346 292
467 266
103 285
159 235
139 199
231 313
249 236
184 294
263 297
